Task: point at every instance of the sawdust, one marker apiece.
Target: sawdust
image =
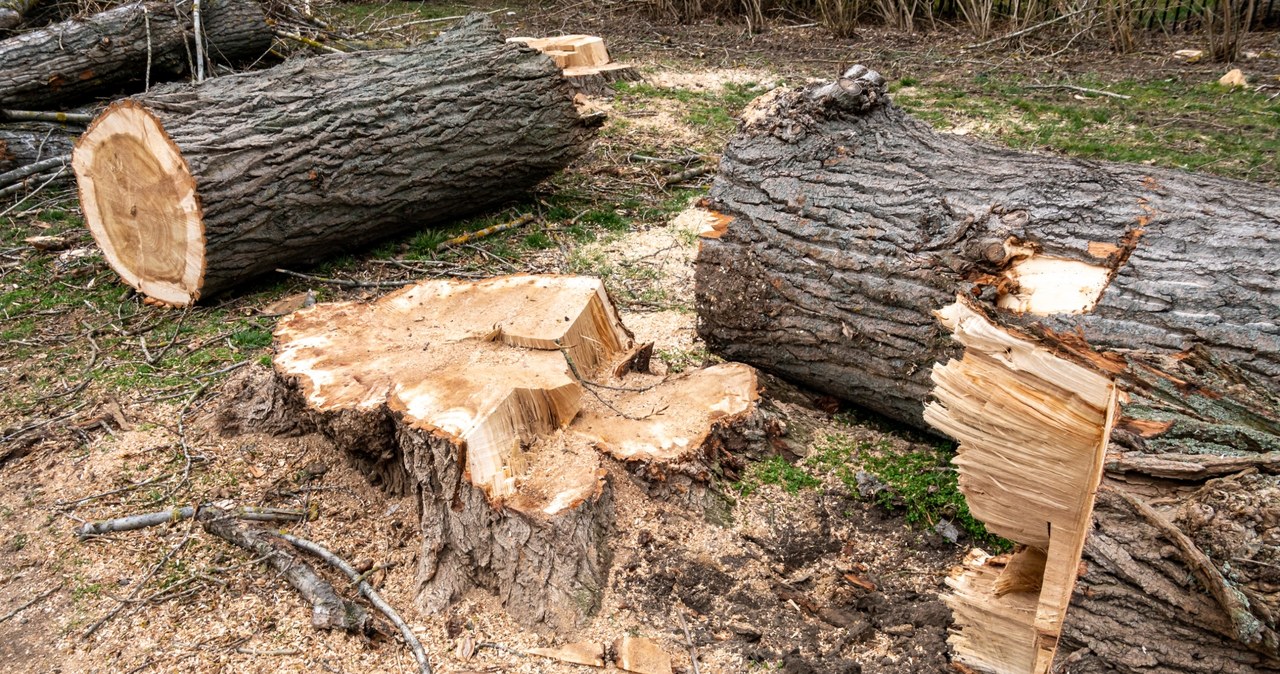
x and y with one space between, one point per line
713 81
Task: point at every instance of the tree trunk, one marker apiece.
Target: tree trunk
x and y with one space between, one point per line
1115 334
853 222
111 52
22 148
317 156
495 404
12 12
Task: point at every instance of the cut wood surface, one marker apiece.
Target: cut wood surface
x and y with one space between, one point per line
585 62
318 156
108 53
1110 373
494 403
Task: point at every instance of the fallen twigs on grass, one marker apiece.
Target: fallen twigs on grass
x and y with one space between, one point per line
419 653
1083 90
487 231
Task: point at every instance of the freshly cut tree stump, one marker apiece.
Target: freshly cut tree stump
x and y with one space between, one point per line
194 189
852 223
106 53
1112 380
494 403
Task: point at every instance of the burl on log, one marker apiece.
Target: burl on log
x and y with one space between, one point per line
1111 373
503 405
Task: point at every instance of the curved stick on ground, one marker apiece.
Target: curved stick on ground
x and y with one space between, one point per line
419 653
328 609
134 522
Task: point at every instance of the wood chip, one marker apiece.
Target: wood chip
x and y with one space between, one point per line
643 656
582 653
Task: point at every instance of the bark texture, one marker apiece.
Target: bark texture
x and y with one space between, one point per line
853 222
328 154
22 148
107 53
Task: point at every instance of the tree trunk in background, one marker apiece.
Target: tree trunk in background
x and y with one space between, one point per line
19 148
107 53
320 156
1118 324
12 12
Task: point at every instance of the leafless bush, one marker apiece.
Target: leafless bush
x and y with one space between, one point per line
1224 23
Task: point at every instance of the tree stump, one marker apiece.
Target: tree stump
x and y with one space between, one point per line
79 59
194 189
495 403
1112 380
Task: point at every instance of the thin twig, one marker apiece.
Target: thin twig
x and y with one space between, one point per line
688 640
135 522
141 584
30 603
419 653
487 231
1083 90
199 38
1028 29
346 283
41 116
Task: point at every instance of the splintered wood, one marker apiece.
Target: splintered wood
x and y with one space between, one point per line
496 399
584 60
1032 429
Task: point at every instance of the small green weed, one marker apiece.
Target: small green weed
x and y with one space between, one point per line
775 470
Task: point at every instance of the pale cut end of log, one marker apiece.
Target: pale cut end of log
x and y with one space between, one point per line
584 60
140 203
1032 428
643 656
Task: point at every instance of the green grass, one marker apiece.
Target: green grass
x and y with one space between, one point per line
711 111
776 470
1169 122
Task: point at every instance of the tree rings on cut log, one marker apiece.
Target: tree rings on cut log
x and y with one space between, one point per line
584 60
495 402
139 201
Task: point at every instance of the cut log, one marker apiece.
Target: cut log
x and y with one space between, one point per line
76 60
852 223
23 148
493 402
1112 381
585 62
317 156
12 12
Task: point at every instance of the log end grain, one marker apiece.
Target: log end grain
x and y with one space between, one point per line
140 203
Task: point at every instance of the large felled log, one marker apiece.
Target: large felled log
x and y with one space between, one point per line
321 155
21 148
495 404
109 52
852 223
1115 335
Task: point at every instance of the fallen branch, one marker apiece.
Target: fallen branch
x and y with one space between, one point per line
688 640
38 116
328 610
32 602
314 44
487 231
135 522
347 283
18 174
1083 90
682 176
419 653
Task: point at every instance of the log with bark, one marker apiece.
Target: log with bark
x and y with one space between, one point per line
1116 331
19 148
496 403
319 156
122 49
12 12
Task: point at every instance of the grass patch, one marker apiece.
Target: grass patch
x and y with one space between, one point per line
712 111
1169 122
775 470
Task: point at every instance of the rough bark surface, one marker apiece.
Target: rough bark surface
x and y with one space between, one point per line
853 222
107 53
21 148
328 154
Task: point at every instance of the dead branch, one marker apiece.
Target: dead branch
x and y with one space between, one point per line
32 602
487 231
369 593
1083 90
135 522
40 116
328 610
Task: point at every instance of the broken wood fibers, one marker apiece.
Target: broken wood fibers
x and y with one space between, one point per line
492 401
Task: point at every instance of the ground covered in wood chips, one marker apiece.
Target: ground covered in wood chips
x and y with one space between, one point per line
820 559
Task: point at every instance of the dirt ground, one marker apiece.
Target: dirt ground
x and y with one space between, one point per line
812 581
